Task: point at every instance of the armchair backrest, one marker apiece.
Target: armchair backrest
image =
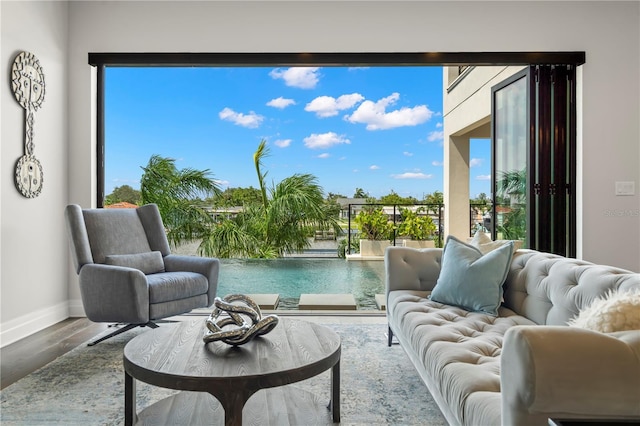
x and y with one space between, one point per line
97 233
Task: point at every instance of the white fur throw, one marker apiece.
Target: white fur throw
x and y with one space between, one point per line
616 311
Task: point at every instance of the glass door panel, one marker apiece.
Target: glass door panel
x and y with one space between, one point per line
510 129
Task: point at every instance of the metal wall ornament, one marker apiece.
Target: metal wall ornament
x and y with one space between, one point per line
27 83
245 320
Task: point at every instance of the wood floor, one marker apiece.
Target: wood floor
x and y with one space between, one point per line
29 354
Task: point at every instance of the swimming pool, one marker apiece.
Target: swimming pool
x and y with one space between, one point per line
291 277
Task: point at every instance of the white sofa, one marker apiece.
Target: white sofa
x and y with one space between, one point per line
525 365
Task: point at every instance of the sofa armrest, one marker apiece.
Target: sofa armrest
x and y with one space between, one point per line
568 372
409 268
114 294
207 266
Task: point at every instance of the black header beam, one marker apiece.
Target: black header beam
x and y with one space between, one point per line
132 59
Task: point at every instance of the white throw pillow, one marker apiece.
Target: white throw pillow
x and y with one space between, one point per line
615 311
483 242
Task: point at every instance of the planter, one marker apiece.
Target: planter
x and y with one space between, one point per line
419 244
373 247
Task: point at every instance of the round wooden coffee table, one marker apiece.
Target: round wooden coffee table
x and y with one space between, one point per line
175 357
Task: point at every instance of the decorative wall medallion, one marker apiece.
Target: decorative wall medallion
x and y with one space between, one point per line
29 176
27 83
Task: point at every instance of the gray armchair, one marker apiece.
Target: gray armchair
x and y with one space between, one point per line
127 272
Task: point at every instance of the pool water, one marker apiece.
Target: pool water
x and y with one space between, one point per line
291 277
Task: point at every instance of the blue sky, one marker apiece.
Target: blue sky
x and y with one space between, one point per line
375 128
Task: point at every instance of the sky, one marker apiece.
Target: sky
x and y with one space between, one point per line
375 128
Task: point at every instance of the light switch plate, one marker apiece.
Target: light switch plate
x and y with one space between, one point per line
625 188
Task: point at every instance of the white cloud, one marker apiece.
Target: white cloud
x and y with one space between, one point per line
375 116
438 125
475 162
328 106
435 136
412 175
125 181
222 182
407 154
282 143
251 120
324 140
300 77
357 68
324 155
437 163
280 102
483 177
374 167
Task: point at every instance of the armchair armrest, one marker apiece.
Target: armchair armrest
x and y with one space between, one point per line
207 266
409 268
568 372
114 293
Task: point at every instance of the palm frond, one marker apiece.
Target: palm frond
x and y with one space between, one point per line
261 152
176 192
512 182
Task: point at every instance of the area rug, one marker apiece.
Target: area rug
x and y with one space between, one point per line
86 386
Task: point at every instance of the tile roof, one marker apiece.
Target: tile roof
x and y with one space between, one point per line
121 205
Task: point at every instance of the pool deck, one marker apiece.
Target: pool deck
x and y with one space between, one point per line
321 248
358 256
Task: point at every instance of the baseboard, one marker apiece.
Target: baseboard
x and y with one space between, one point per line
24 326
76 309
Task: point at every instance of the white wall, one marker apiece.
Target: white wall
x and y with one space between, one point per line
34 248
609 32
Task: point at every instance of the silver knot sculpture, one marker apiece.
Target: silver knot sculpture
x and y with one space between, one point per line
245 320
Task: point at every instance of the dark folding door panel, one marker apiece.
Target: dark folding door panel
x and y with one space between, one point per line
534 161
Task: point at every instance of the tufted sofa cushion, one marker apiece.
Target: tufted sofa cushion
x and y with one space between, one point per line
460 351
551 289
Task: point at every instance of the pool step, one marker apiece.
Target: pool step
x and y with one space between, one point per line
327 302
266 301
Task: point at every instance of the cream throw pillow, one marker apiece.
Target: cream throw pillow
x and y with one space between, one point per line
483 242
615 311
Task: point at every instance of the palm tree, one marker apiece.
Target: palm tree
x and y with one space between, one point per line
512 183
512 187
280 223
176 192
434 201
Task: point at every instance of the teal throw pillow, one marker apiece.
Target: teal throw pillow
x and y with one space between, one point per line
471 280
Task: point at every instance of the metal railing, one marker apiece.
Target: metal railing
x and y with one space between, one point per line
435 211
